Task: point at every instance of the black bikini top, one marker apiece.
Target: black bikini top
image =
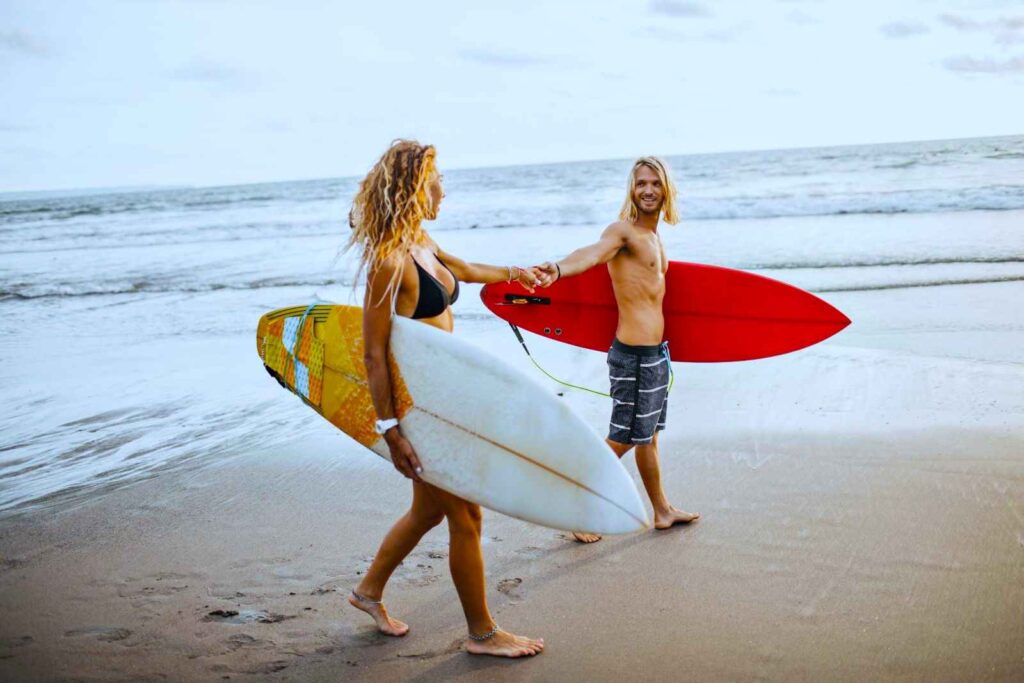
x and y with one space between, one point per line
434 298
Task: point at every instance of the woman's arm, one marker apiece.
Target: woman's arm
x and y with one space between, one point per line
486 274
376 336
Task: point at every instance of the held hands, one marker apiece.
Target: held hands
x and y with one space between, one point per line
528 278
548 273
403 457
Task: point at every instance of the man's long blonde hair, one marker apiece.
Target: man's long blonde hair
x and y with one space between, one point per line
390 206
670 213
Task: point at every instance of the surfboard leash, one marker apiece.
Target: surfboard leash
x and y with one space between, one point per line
529 355
522 342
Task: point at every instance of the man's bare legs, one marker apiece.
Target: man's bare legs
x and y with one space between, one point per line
424 514
465 558
665 514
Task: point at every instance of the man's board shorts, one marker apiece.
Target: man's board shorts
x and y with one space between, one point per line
639 380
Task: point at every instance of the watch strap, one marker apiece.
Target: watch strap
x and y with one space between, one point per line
382 426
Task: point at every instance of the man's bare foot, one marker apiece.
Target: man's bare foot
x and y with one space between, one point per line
385 624
663 520
505 644
585 538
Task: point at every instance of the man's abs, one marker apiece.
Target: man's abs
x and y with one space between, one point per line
640 324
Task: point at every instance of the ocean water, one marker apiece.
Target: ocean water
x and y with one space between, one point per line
128 316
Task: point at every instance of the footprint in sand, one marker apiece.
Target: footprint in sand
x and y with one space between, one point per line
107 634
452 648
240 641
8 563
246 616
421 575
511 587
268 667
259 562
9 645
532 551
155 587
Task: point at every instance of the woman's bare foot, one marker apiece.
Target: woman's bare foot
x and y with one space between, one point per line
585 538
505 644
663 520
385 624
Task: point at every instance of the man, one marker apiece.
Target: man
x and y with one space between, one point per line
638 362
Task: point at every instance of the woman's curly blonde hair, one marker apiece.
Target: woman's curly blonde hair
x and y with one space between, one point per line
390 206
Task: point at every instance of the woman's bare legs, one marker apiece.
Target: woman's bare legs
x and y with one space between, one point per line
465 558
466 561
424 514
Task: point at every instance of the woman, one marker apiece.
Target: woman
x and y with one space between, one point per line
409 275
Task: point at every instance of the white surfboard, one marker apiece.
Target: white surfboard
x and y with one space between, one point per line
483 430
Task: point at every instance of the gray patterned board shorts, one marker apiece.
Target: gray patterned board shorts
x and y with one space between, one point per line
639 379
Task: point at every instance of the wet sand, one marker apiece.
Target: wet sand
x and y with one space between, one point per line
863 518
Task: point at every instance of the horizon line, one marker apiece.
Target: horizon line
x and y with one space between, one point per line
69 192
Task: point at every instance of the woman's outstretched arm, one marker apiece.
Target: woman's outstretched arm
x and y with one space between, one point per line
485 273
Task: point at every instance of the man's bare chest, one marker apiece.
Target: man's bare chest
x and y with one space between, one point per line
645 254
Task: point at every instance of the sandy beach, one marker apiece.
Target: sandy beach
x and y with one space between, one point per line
863 518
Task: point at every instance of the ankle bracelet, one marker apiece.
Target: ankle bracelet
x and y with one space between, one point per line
486 636
360 598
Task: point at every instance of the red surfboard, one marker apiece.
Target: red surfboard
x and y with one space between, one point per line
712 314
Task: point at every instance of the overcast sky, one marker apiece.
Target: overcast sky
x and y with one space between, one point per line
152 92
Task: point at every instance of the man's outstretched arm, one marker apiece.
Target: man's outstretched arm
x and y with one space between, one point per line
583 259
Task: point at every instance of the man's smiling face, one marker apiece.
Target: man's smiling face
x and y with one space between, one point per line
648 192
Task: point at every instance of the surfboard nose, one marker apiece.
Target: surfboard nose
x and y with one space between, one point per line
841 319
616 507
623 520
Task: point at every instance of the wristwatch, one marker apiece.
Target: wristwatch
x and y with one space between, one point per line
381 426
